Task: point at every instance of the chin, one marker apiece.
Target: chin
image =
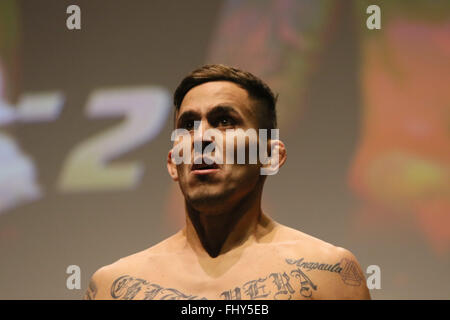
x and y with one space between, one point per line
208 202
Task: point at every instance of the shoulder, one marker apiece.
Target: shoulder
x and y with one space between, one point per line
333 270
102 279
302 241
349 281
105 277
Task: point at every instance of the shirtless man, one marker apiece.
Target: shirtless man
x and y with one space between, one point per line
229 249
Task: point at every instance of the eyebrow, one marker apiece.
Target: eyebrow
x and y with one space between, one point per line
222 109
217 110
186 116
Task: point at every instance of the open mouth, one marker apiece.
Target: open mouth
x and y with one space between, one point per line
204 168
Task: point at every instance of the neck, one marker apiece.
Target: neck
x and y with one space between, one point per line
223 231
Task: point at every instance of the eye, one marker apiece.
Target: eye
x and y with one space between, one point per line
225 121
187 124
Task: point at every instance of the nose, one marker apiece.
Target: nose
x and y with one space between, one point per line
200 141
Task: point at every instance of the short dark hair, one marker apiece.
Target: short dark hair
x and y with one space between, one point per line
256 88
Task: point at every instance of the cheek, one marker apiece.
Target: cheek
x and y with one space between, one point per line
183 171
244 178
183 181
182 150
240 149
243 173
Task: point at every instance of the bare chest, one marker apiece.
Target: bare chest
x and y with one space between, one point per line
269 276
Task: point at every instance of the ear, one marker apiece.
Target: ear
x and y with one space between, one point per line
282 154
172 167
277 158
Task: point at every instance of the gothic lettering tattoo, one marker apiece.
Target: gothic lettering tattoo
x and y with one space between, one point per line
255 289
281 284
277 285
128 288
306 284
284 288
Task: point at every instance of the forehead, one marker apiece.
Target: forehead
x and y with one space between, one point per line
207 95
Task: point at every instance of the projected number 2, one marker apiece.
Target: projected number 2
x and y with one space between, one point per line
87 168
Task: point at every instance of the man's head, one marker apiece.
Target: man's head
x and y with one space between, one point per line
262 97
221 98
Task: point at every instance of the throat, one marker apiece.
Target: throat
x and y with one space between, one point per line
216 236
214 233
